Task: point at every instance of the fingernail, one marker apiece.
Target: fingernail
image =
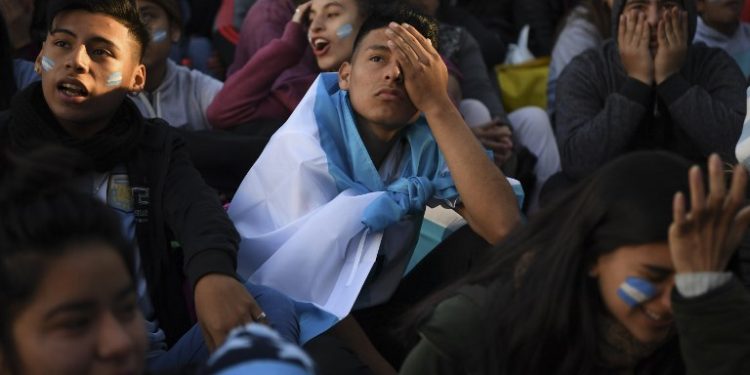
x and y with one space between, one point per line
389 32
393 25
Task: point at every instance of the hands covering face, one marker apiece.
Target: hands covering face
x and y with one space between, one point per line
647 57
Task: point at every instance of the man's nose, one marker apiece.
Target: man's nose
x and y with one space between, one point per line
78 60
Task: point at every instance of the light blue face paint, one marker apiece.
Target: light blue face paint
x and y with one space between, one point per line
159 36
635 291
47 63
115 79
344 31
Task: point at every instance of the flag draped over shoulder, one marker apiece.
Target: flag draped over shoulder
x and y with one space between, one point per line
312 210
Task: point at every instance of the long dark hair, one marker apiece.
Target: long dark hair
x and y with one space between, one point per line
546 323
7 79
42 216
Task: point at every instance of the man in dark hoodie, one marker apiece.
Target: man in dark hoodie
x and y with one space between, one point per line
648 89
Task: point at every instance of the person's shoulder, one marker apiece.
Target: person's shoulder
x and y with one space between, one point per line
457 325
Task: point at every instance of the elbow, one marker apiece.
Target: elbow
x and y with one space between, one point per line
500 230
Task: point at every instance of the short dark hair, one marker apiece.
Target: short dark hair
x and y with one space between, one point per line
381 16
43 215
124 11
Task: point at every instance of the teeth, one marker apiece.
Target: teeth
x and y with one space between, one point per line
320 43
652 315
72 89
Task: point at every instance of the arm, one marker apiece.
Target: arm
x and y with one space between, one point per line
712 110
193 213
593 127
714 326
247 93
263 22
489 204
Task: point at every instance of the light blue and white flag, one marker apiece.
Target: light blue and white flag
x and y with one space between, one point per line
312 210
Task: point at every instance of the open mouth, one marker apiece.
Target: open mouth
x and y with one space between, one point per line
72 88
320 46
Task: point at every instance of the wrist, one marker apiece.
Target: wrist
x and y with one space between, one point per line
643 78
437 105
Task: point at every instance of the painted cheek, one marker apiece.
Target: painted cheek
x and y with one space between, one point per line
114 79
47 63
159 36
345 31
635 291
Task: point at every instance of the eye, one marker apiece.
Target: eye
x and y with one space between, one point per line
332 15
376 58
101 52
61 44
126 309
74 324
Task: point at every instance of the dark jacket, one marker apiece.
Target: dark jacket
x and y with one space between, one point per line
171 203
602 113
713 331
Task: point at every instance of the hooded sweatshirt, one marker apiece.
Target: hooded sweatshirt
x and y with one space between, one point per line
602 113
737 45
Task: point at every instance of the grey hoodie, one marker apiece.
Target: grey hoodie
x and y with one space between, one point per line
602 113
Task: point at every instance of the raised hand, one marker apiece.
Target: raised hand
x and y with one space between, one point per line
424 72
633 36
300 14
704 239
673 44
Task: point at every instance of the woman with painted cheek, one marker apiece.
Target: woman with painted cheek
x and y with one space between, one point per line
333 25
617 277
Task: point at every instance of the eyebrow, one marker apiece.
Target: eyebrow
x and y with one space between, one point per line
378 47
331 4
95 39
86 305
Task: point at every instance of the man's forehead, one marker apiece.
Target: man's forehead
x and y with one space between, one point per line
88 26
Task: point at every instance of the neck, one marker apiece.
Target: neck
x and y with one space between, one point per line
82 130
377 139
155 76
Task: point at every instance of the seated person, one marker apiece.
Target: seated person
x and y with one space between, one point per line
187 246
614 278
719 26
273 81
174 93
587 25
648 89
330 212
69 291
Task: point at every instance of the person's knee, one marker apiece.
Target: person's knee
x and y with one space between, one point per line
530 119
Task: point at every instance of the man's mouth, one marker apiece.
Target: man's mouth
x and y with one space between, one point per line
320 46
72 88
390 94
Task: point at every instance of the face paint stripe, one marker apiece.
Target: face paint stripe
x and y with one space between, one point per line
159 36
47 63
635 291
344 31
115 79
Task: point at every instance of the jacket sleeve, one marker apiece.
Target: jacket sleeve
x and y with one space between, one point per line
593 126
248 90
263 22
199 223
710 109
714 330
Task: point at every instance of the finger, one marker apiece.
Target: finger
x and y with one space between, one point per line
683 26
637 30
738 185
697 191
716 188
622 30
424 43
207 338
739 229
404 52
678 209
411 41
661 36
645 35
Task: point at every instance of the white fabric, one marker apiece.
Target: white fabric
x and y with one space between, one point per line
181 99
299 234
695 284
742 150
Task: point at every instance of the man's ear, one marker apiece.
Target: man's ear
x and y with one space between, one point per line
345 72
138 82
38 62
